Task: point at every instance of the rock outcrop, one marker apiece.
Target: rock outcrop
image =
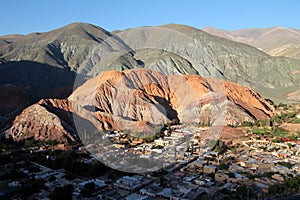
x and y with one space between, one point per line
41 122
139 100
140 95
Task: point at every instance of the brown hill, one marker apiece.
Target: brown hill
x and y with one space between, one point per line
47 120
171 49
276 41
138 100
139 95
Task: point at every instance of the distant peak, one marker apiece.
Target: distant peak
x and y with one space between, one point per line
76 25
180 27
210 28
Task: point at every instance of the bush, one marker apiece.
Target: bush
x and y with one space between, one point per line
231 175
223 166
52 178
246 123
285 164
64 193
89 186
69 176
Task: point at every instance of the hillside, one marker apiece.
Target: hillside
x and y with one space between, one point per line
45 65
139 99
276 41
134 96
213 56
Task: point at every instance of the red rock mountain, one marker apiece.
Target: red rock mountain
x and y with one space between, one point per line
136 99
41 122
119 99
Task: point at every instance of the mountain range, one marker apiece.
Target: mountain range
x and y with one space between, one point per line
171 49
141 76
276 41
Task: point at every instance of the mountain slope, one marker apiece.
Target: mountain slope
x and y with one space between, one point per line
39 122
139 99
133 96
276 41
37 80
65 47
171 49
216 57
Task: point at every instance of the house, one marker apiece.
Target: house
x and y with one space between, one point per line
200 181
131 182
239 176
263 187
210 169
197 194
251 163
171 194
161 142
98 183
265 165
151 191
14 184
135 196
278 177
220 176
113 194
199 163
230 186
281 169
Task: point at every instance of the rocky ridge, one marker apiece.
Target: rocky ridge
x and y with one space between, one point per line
139 99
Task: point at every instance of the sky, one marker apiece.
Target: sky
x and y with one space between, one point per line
23 17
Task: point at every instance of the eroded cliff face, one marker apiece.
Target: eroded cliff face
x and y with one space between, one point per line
39 123
144 95
138 100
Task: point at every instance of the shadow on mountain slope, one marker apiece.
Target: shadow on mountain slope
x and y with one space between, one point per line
35 79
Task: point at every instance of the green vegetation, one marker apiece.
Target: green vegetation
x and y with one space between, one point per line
285 164
267 174
88 188
64 192
231 175
290 185
243 192
223 166
151 138
247 123
68 161
30 188
12 175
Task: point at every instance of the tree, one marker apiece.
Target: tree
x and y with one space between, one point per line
52 178
247 123
274 189
64 193
162 181
69 176
231 175
223 166
30 143
243 192
89 186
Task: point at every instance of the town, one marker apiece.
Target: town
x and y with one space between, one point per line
256 160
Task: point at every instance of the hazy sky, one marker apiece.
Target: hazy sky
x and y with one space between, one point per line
26 16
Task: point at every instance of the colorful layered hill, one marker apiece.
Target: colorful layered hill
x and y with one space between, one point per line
45 64
139 99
